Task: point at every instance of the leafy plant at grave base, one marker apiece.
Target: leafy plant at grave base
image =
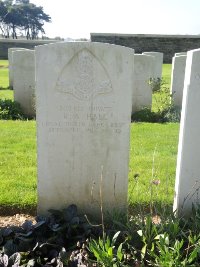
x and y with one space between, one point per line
165 110
176 254
156 84
10 110
106 252
66 239
145 115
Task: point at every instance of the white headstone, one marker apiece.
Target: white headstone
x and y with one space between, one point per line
188 162
83 105
180 54
177 79
158 63
142 92
24 80
10 62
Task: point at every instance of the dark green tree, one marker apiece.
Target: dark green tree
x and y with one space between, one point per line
22 15
34 18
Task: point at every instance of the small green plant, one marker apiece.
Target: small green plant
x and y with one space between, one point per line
176 254
145 115
163 109
155 84
106 252
148 232
10 110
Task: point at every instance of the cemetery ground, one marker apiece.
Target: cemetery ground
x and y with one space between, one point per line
152 236
153 150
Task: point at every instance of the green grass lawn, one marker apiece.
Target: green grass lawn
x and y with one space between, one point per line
3 63
4 81
166 73
153 151
17 163
6 94
149 142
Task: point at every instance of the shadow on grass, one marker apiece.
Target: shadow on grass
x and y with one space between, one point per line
155 208
10 210
158 208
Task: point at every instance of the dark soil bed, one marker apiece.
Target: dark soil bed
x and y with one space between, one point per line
15 216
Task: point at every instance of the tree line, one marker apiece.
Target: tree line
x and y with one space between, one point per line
21 16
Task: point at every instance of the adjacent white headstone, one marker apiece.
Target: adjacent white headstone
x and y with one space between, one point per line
83 105
177 79
10 62
180 54
158 63
142 92
24 80
188 162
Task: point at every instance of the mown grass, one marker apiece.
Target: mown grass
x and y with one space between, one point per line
166 73
3 63
18 162
153 151
4 77
4 81
6 94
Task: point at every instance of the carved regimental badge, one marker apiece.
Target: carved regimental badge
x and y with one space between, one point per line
84 77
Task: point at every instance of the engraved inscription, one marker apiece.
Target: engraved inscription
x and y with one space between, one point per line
90 119
84 77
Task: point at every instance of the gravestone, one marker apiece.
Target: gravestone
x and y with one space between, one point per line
157 64
177 79
10 62
180 54
188 162
83 107
24 80
142 92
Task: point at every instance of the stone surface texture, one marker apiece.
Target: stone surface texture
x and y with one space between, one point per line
24 80
177 79
142 92
180 54
157 63
10 62
83 105
188 162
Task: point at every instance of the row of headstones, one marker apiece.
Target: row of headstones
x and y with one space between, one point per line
83 112
22 78
83 105
185 84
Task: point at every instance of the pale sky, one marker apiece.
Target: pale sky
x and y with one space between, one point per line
78 18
